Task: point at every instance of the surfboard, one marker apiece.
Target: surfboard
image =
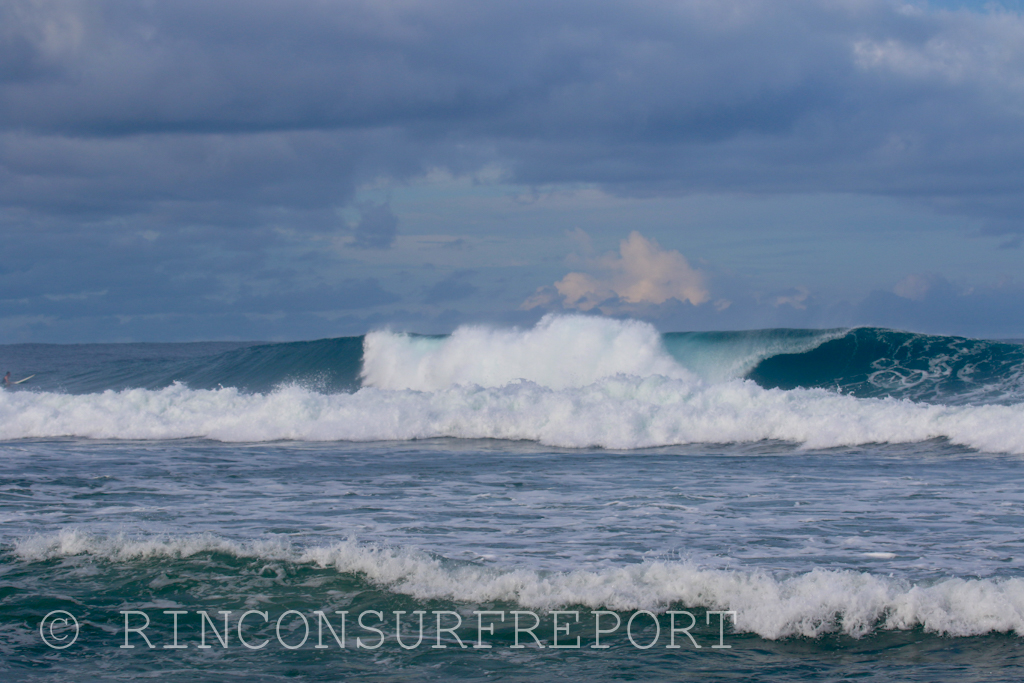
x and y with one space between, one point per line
23 380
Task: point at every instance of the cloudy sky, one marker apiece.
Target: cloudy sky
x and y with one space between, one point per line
174 171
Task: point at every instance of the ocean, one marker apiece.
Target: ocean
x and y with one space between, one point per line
587 499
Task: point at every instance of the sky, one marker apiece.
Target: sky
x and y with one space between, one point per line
201 170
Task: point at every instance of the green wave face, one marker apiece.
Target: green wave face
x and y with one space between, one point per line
324 365
872 362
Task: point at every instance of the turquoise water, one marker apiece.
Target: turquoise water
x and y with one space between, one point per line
852 535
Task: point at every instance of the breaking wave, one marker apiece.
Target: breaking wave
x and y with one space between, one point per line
571 381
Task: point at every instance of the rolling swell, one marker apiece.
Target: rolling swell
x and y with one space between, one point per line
324 365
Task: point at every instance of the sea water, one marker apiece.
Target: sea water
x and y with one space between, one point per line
800 504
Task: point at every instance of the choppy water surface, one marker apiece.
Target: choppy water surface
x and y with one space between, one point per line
854 531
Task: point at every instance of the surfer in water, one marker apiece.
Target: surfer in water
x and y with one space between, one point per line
9 383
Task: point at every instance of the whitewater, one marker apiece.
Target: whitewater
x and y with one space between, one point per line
851 497
571 381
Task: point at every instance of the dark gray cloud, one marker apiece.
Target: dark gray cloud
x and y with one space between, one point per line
939 306
211 98
377 227
452 288
177 156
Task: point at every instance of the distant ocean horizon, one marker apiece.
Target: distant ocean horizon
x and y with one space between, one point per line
803 504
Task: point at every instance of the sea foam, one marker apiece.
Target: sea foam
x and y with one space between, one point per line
806 604
560 352
619 412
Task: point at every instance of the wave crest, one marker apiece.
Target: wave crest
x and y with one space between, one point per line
559 352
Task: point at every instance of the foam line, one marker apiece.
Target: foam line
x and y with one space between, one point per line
619 412
808 604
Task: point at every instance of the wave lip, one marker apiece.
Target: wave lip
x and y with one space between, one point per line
721 356
809 604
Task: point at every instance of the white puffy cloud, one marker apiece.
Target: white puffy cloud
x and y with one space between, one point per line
642 272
